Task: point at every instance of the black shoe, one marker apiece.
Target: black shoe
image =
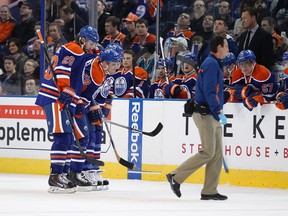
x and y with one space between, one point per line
213 197
174 185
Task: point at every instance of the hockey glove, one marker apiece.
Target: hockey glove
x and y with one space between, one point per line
189 106
66 97
253 100
282 101
94 115
223 119
80 109
242 92
107 106
172 90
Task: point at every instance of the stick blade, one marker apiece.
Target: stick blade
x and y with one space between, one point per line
155 131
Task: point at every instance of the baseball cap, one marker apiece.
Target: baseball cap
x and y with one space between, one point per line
180 40
27 4
131 18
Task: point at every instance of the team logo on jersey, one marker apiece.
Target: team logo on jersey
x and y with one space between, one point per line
86 75
185 88
106 86
140 11
158 94
120 86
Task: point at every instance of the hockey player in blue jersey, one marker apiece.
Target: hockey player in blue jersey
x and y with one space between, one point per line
282 96
183 86
97 83
61 88
253 83
156 88
124 79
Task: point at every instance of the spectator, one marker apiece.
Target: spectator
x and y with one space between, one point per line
220 29
76 9
31 87
262 10
121 8
207 27
15 51
199 10
25 29
10 81
255 38
102 16
31 69
7 24
73 23
146 9
238 28
224 11
147 60
268 24
182 28
130 23
36 50
55 33
143 36
114 35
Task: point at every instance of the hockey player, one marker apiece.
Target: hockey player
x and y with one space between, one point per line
183 86
282 96
123 79
156 88
97 84
252 82
60 88
228 68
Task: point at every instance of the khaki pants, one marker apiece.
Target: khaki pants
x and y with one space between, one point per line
210 131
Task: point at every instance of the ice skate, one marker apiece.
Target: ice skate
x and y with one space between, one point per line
91 175
83 185
104 182
59 185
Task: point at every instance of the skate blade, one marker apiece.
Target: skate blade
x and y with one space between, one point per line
57 190
84 188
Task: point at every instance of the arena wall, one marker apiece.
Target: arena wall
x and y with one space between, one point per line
254 143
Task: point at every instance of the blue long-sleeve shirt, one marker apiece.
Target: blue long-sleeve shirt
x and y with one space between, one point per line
209 85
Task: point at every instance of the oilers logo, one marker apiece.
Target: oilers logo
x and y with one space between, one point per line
141 11
86 75
185 88
106 87
158 94
120 86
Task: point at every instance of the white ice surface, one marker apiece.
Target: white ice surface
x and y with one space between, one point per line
26 195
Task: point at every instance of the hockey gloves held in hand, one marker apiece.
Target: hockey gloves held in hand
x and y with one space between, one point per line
282 101
107 106
189 106
66 97
80 109
242 92
95 115
253 100
223 119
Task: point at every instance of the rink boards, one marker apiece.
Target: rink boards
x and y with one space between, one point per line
254 143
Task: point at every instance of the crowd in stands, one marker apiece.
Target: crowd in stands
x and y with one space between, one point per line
186 27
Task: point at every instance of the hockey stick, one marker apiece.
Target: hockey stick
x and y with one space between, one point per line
91 160
152 133
163 58
225 166
119 159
